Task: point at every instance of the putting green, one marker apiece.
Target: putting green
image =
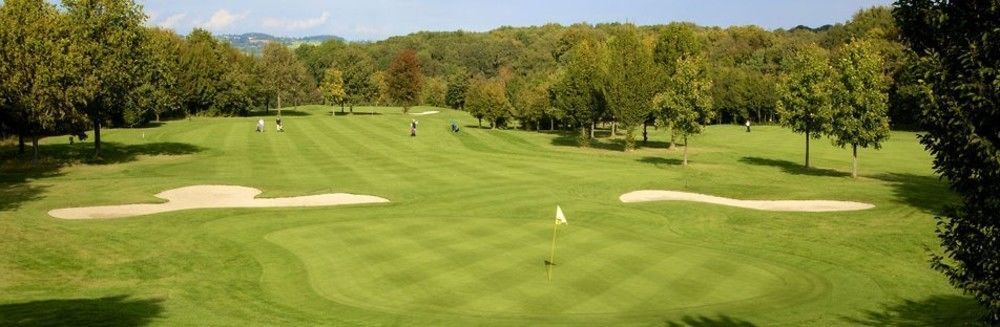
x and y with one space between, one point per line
495 267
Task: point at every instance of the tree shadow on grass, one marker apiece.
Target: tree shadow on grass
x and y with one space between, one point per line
793 168
938 310
274 113
18 171
357 113
658 161
928 193
616 145
702 321
107 311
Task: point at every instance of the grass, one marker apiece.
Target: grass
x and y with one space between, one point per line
464 239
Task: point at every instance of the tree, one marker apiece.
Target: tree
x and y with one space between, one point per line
435 92
687 102
283 75
404 80
358 70
578 92
332 87
531 100
457 86
805 93
861 102
37 63
159 93
108 34
488 99
631 85
674 42
960 112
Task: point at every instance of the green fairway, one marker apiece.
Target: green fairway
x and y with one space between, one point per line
464 238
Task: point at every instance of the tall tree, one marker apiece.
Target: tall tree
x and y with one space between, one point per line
358 69
631 80
159 92
109 35
578 92
488 99
860 102
805 93
332 87
38 66
405 80
434 92
284 76
687 102
674 42
959 56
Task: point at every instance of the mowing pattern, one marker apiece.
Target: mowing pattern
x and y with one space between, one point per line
464 238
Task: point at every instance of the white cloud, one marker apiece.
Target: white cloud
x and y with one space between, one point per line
221 19
172 21
295 24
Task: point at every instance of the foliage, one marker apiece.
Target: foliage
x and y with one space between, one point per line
332 87
435 92
959 55
860 102
805 92
631 85
578 92
676 41
404 80
687 102
108 35
283 76
487 99
38 66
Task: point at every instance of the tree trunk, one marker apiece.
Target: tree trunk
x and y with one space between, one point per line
673 136
593 126
97 138
157 117
584 142
493 123
645 132
279 106
352 108
552 124
480 122
854 162
807 147
20 143
341 107
614 129
685 149
34 146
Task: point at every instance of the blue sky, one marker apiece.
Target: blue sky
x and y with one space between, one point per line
379 19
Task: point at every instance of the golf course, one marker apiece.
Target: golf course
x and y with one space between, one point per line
466 226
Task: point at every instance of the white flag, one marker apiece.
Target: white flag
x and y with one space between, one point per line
560 218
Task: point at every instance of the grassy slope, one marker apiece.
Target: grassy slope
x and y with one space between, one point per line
463 240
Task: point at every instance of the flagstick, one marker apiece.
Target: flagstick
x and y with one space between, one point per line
552 257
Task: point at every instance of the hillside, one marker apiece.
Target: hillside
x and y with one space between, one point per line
254 42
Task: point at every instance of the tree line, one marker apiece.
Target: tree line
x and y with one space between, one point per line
90 64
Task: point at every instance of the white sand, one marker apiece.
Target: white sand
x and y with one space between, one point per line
779 205
425 113
211 196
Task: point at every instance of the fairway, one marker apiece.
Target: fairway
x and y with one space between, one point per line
463 238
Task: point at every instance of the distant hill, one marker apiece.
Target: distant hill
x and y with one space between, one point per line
254 42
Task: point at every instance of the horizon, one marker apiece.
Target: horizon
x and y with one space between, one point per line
381 19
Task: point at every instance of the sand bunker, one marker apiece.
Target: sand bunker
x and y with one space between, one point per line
211 196
779 205
425 113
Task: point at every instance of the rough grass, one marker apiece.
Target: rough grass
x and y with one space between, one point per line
464 240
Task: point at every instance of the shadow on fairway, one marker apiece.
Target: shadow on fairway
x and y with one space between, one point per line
702 321
658 161
274 113
108 311
356 113
19 170
793 168
617 145
938 310
928 193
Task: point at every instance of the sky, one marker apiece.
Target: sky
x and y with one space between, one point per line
372 20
